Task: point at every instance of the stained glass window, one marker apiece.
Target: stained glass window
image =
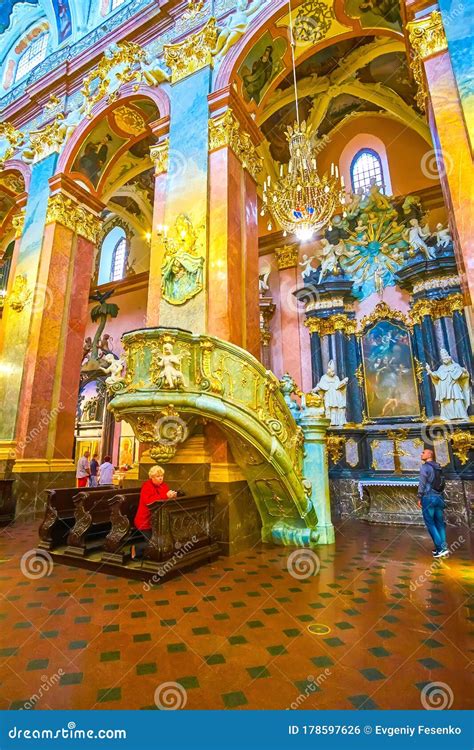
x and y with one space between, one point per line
366 168
32 56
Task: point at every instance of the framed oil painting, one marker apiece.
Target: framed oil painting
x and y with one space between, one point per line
390 384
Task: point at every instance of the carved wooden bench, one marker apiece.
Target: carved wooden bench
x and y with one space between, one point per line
122 512
181 535
92 520
59 515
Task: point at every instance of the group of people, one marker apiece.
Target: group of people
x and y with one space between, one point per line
89 473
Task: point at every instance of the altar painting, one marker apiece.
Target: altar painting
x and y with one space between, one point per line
390 383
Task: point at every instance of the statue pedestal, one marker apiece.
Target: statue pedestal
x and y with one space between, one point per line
315 469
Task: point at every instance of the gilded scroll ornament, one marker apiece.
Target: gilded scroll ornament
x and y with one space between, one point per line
47 140
193 53
14 140
159 156
18 222
225 130
462 443
70 214
206 377
20 294
128 58
335 447
383 312
313 21
286 256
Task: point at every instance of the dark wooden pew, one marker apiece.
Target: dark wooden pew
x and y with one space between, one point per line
59 514
92 520
122 512
181 536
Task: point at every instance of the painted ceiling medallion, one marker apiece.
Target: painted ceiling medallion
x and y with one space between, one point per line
129 120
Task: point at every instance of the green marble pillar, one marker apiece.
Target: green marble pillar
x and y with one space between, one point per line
315 469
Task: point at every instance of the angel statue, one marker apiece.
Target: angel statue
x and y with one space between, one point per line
113 370
334 391
452 387
416 237
183 267
307 267
443 236
263 282
170 367
236 26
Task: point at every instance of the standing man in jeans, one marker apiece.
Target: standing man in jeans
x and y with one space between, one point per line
94 468
431 501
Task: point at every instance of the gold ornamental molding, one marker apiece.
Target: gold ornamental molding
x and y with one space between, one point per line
335 445
159 156
437 308
225 130
15 138
18 222
438 282
462 443
65 211
328 326
383 312
286 256
193 53
427 37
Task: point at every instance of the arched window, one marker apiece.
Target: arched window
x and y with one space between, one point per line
119 257
366 168
32 56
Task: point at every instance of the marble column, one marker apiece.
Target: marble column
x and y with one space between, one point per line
233 297
159 154
434 72
315 469
287 262
45 427
426 388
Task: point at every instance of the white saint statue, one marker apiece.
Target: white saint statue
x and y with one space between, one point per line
452 387
308 269
334 391
416 237
443 236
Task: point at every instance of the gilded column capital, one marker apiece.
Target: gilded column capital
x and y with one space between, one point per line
436 308
328 326
286 256
193 53
159 156
427 36
225 130
81 220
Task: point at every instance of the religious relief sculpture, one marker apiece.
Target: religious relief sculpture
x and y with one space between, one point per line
452 387
334 391
305 263
183 266
96 349
374 238
236 26
169 369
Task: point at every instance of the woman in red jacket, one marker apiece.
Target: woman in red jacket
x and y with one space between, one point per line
153 490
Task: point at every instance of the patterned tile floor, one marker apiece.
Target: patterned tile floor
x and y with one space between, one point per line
234 634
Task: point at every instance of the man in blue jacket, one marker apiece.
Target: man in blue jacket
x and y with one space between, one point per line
431 501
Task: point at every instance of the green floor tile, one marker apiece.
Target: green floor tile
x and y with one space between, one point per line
236 640
141 637
188 682
255 624
201 631
146 668
37 664
372 674
334 642
215 659
110 656
379 651
362 702
75 645
111 628
233 700
430 663
71 678
108 695
343 625
256 672
276 650
322 661
174 648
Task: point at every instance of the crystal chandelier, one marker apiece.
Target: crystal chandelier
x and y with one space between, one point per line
301 201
